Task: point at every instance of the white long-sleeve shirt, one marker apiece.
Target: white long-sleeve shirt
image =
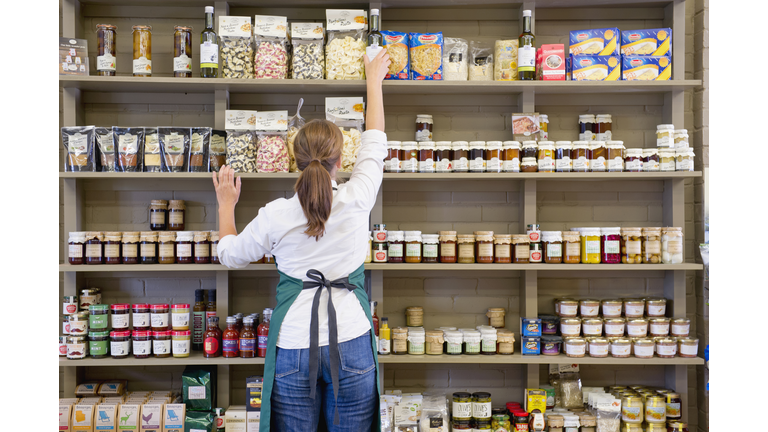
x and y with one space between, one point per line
279 229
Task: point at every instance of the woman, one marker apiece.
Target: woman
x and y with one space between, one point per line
321 357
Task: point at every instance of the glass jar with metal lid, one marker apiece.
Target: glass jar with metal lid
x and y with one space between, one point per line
665 135
396 248
106 60
597 156
633 160
680 327
493 157
674 406
553 246
502 244
656 307
603 126
466 246
643 347
410 162
563 156
413 246
688 347
142 50
631 246
484 247
546 156
592 327
481 406
667 160
448 240
529 165
423 127
462 406
460 156
621 347
567 308
615 156
634 308
580 156
477 156
659 326
98 318
651 160
574 346
394 156
77 347
684 159
637 327
587 127
89 296
589 308
656 409
614 327
510 156
610 245
598 347
666 347
430 245
78 323
570 327
530 149
680 137
612 308
632 409
520 249
443 157
426 157
414 316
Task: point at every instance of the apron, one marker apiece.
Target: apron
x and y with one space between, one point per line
288 290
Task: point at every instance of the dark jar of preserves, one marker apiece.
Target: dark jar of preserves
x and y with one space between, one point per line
396 246
214 247
141 316
529 165
94 250
130 247
106 60
587 127
530 149
112 241
484 247
142 344
120 344
563 156
158 215
633 162
394 156
460 151
161 343
477 156
148 247
430 244
443 157
427 157
580 156
184 249
212 338
120 316
160 317
202 247
176 213
76 248
182 51
167 248
597 155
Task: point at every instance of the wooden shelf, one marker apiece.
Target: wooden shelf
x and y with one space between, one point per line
385 3
195 358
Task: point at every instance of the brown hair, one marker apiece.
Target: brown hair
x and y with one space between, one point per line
317 149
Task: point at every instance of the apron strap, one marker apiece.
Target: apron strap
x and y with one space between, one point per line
319 281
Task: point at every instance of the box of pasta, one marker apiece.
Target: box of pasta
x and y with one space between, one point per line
602 42
646 68
649 42
596 68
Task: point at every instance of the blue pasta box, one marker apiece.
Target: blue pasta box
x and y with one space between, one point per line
426 57
596 68
396 44
649 42
646 68
603 42
530 327
531 345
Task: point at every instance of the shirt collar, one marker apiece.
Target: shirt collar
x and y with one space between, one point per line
334 184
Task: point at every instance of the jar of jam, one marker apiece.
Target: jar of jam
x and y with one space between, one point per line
180 316
142 344
89 296
633 161
536 251
167 247
426 157
484 247
466 246
615 158
530 149
140 316
130 247
448 240
631 246
520 250
610 245
184 240
94 250
182 51
529 165
493 157
510 156
502 245
580 156
394 156
112 241
396 246
202 247
161 343
379 253
98 344
98 318
120 316
76 248
603 126
70 305
410 162
214 236
181 342
77 347
78 323
423 127
160 316
553 247
413 246
590 245
477 156
158 212
543 127
587 127
597 157
430 245
106 60
176 215
546 156
142 50
651 160
120 343
148 247
563 156
399 341
443 157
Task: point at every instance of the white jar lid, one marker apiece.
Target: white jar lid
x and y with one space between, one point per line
586 118
603 118
548 146
395 236
529 144
634 151
443 144
492 145
589 231
543 118
460 143
410 143
427 145
477 144
610 231
430 238
650 151
666 127
394 144
551 236
511 144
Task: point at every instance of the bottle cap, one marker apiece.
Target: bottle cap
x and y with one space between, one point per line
209 9
374 11
526 13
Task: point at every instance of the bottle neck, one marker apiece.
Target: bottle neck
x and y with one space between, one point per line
374 23
209 21
231 326
527 24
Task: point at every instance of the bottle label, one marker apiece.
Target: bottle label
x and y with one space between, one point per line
631 414
262 341
580 164
395 250
448 249
211 345
158 319
554 250
673 410
157 218
563 163
148 250
384 346
198 327
201 250
494 164
141 319
119 348
112 251
182 63
176 217
142 66
461 164
413 250
161 346
616 164
511 165
180 319
75 251
209 55
427 166
477 164
142 347
430 251
105 63
526 59
656 414
130 250
230 345
120 321
184 250
247 344
93 251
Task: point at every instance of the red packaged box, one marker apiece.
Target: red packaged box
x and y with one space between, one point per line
552 62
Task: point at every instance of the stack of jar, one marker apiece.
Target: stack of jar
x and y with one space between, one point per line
245 336
146 247
626 327
473 411
649 409
627 245
675 152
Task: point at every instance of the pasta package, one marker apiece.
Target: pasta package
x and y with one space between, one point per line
481 61
650 42
348 114
241 140
308 58
236 47
596 68
270 59
271 133
602 42
455 58
426 56
396 44
646 68
346 44
505 60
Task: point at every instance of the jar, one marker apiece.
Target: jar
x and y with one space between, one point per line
98 344
543 127
448 240
530 150
141 317
505 342
453 342
481 407
423 127
563 156
510 154
142 50
612 308
410 162
214 236
667 160
120 316
488 338
651 160
472 340
672 245
76 252
546 156
674 406
500 422
610 245
536 252
520 420
396 246
414 316
688 347
98 317
394 156
632 409
460 156
493 157
665 135
631 246
549 324
529 165
413 246
684 159
466 245
89 296
202 247
443 157
567 308
534 233
399 340
427 157
167 247
77 347
681 327
553 247
142 344
621 347
106 35
161 344
521 249
184 241
637 327
614 327
570 327
571 247
477 156
656 307
379 253
587 127
461 425
651 248
181 342
580 156
603 126
598 347
597 155
430 243
416 341
643 348
592 327
484 247
666 347
502 251
461 406
633 161
176 215
434 342
575 347
590 245
129 250
159 316
659 327
94 251
180 316
182 51
551 345
148 247
120 343
158 212
634 308
615 156
656 409
70 305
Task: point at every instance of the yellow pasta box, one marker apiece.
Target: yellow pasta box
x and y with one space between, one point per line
595 68
650 42
426 56
646 68
602 42
396 44
535 399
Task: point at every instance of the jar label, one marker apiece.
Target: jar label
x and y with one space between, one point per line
141 319
494 164
681 329
105 63
675 246
570 329
130 250
70 308
656 414
148 250
477 164
612 246
521 251
684 165
76 251
603 136
633 310
410 165
399 345
182 63
633 165
614 329
554 250
485 249
620 350
573 249
230 345
592 246
211 345
643 351
214 249
588 311
598 350
247 344
461 164
119 321
142 347
448 249
78 327
395 250
593 330
180 347
430 251
651 165
611 310
66 329
380 256
98 321
416 348
119 348
201 250
654 310
112 250
667 164
633 247
380 236
631 414
166 250
93 250
176 217
159 319
653 247
597 164
184 250
142 66
157 217
96 348
423 135
534 236
488 345
563 164
637 330
535 256
575 350
383 346
587 136
511 165
209 55
660 329
546 164
503 251
427 166
616 164
580 164
673 410
180 319
413 250
481 410
161 346
76 350
462 410
466 250
443 165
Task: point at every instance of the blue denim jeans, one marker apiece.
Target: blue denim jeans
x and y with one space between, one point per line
292 408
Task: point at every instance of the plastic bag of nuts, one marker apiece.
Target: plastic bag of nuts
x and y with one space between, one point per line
651 249
236 47
241 140
631 246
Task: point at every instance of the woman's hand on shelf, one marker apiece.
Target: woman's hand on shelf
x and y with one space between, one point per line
376 69
227 187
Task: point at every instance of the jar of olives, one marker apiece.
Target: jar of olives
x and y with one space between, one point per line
651 247
631 246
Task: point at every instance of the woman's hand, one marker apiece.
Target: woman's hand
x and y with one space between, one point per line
376 69
227 188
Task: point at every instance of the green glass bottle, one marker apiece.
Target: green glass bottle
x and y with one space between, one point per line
526 54
209 47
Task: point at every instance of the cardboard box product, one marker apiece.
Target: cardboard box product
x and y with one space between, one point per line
596 68
253 387
82 418
113 388
552 63
151 418
128 417
646 68
105 418
535 399
253 419
531 327
525 126
173 417
86 389
65 417
235 419
649 42
603 42
531 345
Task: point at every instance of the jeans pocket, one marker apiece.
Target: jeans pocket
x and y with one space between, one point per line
357 355
287 362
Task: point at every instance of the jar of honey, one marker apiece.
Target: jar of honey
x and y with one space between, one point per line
493 157
510 156
546 156
413 246
466 248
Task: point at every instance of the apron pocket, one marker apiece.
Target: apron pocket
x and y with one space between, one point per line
287 362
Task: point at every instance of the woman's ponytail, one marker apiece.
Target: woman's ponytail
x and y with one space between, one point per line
317 149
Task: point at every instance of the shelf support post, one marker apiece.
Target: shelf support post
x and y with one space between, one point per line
221 105
527 205
377 276
223 299
529 307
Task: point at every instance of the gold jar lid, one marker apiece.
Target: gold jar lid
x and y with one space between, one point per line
414 310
